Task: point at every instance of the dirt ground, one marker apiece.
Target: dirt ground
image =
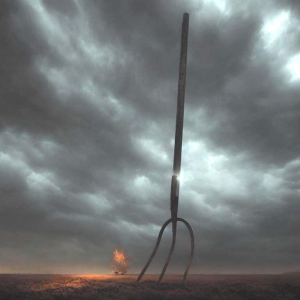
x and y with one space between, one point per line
110 287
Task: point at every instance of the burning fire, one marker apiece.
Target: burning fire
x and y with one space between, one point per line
119 256
120 261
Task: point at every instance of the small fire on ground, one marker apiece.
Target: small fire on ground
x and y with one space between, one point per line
120 262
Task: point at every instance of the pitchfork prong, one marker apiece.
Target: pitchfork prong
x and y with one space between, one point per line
189 227
169 256
171 251
155 249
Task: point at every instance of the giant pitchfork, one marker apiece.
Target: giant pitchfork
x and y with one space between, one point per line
177 162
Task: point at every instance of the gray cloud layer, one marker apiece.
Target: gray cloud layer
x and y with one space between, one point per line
87 117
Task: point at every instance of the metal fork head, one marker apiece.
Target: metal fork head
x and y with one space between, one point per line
171 251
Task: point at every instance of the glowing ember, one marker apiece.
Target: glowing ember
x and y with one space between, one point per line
120 261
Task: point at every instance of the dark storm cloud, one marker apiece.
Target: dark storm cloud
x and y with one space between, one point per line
87 121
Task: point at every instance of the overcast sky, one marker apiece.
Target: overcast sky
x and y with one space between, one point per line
88 95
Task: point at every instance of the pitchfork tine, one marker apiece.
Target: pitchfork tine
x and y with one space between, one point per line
155 249
189 227
169 257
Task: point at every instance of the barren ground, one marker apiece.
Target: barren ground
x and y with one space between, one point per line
202 287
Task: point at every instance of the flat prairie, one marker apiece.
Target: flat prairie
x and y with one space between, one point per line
110 287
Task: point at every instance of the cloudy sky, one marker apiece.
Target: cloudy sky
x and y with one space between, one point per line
88 96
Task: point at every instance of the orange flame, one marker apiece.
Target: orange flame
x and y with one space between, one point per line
119 256
120 261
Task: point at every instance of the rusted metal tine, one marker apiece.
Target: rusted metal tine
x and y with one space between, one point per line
174 197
